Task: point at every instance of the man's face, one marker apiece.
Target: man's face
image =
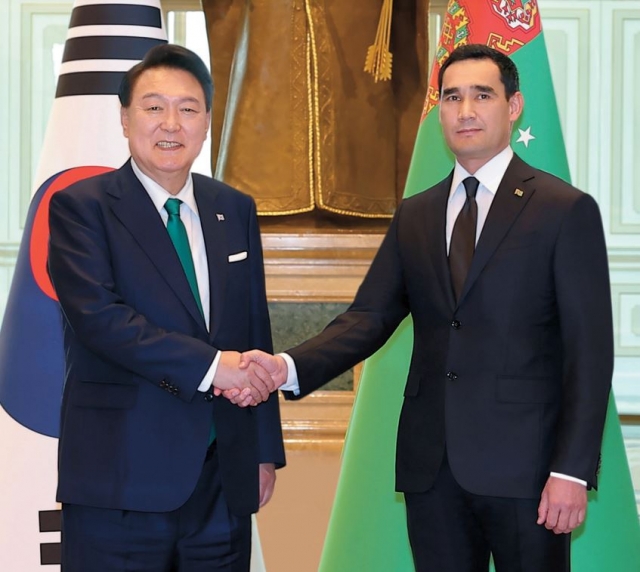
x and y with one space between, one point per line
475 115
166 124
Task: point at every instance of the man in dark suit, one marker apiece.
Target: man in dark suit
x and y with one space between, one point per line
160 279
503 269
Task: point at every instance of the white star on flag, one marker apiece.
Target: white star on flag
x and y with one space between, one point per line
525 136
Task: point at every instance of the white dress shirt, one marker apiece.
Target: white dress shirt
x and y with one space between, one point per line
489 175
191 220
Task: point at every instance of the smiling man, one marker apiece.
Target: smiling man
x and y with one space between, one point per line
161 284
503 269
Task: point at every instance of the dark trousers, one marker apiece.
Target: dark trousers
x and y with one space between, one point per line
452 530
202 535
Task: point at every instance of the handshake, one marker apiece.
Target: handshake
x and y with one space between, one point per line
249 378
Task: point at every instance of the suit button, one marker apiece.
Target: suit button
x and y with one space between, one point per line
456 324
452 376
208 396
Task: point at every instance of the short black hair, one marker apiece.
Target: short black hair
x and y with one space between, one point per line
508 70
168 56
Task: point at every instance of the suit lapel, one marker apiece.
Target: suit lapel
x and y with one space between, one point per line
436 241
215 239
135 209
512 196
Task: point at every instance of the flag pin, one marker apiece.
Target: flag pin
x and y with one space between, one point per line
220 216
518 192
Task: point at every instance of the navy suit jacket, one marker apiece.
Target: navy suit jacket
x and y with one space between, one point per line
514 378
134 428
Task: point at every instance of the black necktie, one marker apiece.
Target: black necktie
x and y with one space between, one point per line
463 237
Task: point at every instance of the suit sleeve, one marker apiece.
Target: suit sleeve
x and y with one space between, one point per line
81 270
270 443
381 303
584 307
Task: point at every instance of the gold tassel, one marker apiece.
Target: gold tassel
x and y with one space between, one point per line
378 62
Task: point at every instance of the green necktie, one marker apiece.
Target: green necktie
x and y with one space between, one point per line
178 234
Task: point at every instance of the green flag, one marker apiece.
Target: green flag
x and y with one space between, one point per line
367 529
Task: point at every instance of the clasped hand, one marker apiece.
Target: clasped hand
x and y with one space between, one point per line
248 378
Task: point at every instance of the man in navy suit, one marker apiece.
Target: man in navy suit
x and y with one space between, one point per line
157 472
504 271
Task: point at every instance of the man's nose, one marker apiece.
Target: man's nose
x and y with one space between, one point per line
170 121
466 109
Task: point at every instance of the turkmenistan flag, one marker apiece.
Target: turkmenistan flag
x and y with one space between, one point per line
367 527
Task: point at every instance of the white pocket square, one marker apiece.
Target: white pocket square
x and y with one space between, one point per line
237 257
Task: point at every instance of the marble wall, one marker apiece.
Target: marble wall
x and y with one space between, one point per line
292 323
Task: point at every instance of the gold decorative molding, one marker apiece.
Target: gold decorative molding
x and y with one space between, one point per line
317 267
318 421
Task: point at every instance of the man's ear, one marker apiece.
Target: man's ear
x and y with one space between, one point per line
124 121
516 105
206 131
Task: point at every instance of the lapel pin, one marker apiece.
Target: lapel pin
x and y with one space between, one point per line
518 193
220 216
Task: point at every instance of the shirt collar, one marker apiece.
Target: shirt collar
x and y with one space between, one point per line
489 175
159 194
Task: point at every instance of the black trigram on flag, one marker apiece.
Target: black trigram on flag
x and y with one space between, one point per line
104 41
83 138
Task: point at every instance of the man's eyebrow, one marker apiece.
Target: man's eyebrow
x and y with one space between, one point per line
153 94
483 88
183 100
480 88
450 90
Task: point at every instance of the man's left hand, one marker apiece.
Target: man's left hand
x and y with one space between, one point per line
563 505
241 398
267 482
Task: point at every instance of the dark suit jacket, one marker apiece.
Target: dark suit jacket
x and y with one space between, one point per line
134 428
515 377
